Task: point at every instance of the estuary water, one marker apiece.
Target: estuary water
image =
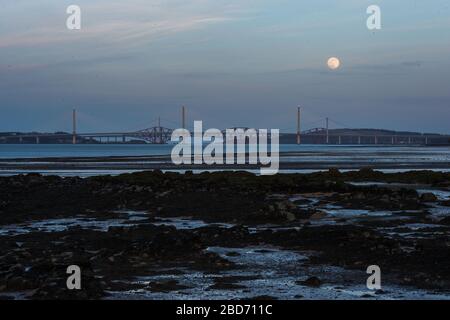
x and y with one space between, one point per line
23 158
14 151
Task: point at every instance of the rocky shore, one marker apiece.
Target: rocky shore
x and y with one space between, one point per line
159 235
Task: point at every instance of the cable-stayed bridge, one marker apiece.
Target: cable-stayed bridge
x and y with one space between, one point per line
159 134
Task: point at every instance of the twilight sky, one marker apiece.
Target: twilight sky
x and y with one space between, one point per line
231 62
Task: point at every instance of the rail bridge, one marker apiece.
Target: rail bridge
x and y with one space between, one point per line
159 134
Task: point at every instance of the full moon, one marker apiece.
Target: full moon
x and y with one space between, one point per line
333 63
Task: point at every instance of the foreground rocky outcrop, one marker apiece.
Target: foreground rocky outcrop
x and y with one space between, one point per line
296 207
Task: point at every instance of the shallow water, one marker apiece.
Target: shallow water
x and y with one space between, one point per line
63 224
133 218
186 223
268 271
352 213
262 270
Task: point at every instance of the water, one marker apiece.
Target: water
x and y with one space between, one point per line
187 223
63 224
308 152
295 158
262 270
10 151
269 271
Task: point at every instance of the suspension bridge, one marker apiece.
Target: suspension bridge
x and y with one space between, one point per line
159 134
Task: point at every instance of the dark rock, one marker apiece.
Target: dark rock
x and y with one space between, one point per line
226 286
233 254
263 298
310 282
428 197
379 291
445 221
166 286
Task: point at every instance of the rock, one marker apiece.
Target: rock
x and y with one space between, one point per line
289 216
359 196
166 286
233 254
334 172
428 197
318 215
241 199
35 178
263 298
310 282
18 284
226 286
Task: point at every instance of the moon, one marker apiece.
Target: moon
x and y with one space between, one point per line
333 63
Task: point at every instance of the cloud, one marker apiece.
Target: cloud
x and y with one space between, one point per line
384 69
136 20
19 67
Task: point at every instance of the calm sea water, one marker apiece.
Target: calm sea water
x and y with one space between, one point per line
9 151
436 158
